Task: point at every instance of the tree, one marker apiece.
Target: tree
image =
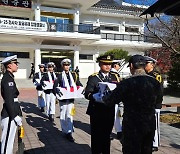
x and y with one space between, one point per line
163 57
119 54
174 73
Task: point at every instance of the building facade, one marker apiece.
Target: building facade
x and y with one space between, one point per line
39 31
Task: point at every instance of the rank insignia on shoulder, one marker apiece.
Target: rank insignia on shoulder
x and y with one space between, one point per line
10 84
94 74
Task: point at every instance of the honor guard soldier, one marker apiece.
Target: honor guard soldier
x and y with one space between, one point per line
68 80
139 94
11 112
47 83
36 80
149 68
101 117
115 67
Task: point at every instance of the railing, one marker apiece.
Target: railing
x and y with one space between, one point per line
128 37
81 28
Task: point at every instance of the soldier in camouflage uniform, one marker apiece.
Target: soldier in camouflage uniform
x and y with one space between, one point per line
139 108
101 116
149 68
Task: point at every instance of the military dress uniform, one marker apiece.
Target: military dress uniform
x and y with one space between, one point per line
66 105
118 113
158 107
11 112
49 95
40 92
101 116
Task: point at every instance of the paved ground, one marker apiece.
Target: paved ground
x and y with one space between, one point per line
43 137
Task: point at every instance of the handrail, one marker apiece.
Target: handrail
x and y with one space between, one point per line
81 28
128 37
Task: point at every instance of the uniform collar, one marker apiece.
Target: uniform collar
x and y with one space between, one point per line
11 74
103 74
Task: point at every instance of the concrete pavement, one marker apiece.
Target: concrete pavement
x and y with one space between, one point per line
43 137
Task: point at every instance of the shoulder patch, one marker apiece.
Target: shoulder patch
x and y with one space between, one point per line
114 72
94 74
10 84
158 76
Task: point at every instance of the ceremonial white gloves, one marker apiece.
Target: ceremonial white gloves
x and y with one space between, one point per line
98 97
18 120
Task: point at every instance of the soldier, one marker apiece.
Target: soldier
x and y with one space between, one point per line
68 80
47 82
150 64
32 70
11 112
139 108
118 107
101 117
36 80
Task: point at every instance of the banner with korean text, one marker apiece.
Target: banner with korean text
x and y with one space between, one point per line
7 23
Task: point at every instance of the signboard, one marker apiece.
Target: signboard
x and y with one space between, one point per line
7 23
16 3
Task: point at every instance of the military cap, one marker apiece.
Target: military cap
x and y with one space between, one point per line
105 59
117 62
66 62
50 64
41 65
137 59
150 59
9 59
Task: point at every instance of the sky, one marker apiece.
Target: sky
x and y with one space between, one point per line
141 2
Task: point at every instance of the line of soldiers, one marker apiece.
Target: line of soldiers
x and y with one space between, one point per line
140 94
46 84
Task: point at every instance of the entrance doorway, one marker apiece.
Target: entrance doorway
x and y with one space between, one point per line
56 57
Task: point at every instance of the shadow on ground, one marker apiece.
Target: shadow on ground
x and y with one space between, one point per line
51 138
83 126
177 146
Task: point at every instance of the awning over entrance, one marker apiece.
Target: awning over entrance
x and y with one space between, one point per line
168 7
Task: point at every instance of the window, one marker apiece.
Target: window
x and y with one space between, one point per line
63 24
19 54
108 27
132 29
44 19
85 28
85 57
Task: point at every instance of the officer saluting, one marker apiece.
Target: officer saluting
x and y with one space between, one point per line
11 112
149 68
101 117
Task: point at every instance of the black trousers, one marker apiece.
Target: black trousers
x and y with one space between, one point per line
101 128
137 140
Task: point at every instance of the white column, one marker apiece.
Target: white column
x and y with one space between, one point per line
76 20
37 59
76 58
37 12
96 65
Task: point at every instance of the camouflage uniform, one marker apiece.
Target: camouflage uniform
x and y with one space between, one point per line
139 111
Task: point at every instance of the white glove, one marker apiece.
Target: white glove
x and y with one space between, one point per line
18 120
157 110
98 97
